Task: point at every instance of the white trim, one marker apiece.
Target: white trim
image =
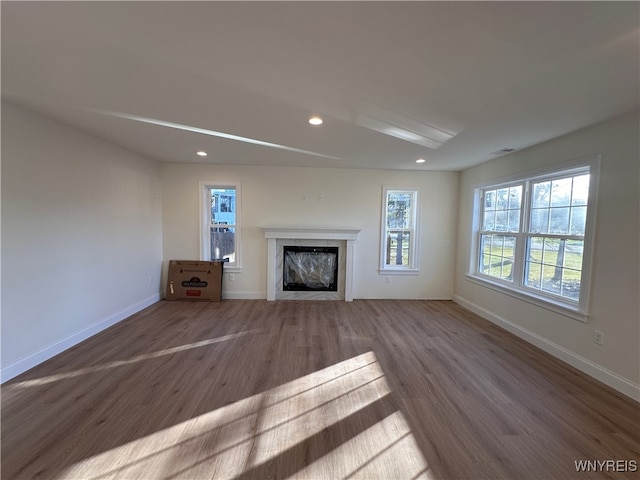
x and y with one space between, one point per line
398 271
530 297
36 358
248 295
272 234
583 364
311 233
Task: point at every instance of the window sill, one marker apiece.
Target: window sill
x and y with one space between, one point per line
549 304
399 271
232 269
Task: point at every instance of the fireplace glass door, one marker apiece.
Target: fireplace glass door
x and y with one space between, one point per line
310 268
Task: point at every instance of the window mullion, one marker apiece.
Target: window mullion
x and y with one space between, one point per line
521 236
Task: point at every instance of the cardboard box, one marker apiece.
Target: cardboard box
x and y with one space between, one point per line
194 280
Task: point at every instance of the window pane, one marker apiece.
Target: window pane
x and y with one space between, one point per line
223 206
515 197
514 220
561 192
399 214
559 220
541 194
533 264
535 247
554 266
496 256
223 243
567 211
580 190
533 275
502 224
489 222
502 209
571 284
398 247
485 253
550 283
578 220
502 199
539 220
574 251
550 251
490 200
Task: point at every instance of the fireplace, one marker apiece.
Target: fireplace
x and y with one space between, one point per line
342 238
312 268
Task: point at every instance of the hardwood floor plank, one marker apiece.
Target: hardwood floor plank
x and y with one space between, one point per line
311 389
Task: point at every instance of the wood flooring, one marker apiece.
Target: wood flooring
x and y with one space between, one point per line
374 389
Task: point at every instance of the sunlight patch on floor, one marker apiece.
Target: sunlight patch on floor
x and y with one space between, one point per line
285 430
119 363
384 451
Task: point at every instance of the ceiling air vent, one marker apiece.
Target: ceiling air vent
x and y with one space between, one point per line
502 151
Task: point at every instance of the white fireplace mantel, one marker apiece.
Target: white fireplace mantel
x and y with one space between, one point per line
272 234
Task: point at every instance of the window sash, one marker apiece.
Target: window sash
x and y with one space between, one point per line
392 252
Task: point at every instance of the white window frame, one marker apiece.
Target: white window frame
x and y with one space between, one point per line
205 221
578 310
413 267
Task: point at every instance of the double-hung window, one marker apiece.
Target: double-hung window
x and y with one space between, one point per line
533 236
220 223
399 231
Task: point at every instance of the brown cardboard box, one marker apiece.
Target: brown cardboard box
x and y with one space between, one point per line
194 280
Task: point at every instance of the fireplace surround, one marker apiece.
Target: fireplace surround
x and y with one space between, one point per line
278 237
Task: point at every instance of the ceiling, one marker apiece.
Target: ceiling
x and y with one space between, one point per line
450 82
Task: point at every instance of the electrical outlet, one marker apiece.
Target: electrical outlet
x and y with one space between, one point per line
305 197
598 337
232 277
388 279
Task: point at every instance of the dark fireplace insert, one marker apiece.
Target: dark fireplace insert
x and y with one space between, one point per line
310 269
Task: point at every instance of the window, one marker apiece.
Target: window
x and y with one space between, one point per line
220 213
533 235
399 231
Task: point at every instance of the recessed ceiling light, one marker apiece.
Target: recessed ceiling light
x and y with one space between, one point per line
420 160
315 121
201 153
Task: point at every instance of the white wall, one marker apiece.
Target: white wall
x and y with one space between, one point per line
272 196
615 293
81 237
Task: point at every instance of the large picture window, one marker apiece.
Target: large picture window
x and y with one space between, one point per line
220 213
399 230
533 235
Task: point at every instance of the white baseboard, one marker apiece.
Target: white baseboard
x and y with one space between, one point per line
244 295
585 365
21 366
